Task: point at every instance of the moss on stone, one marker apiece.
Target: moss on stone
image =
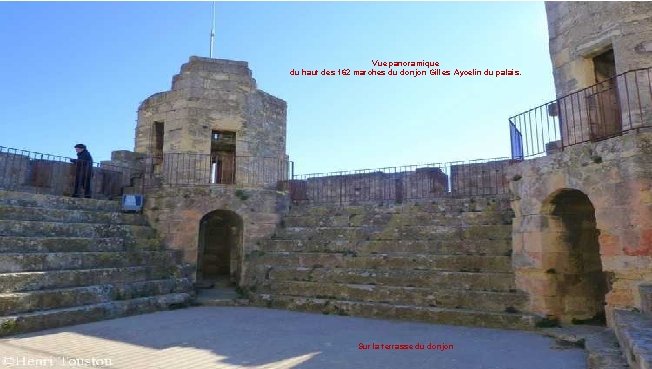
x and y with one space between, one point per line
241 194
511 310
254 254
547 323
8 327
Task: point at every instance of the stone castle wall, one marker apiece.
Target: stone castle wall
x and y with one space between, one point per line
616 175
175 212
427 182
57 177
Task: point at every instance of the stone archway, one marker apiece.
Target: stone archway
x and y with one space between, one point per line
572 258
220 249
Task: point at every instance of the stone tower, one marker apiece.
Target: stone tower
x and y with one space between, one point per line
214 125
589 41
582 233
214 154
601 49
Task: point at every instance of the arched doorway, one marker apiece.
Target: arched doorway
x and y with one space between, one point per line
220 245
573 252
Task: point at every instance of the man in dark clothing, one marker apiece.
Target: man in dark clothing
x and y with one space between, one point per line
83 171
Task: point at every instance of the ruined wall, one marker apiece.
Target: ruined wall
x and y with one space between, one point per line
372 186
57 177
463 179
176 213
616 175
482 178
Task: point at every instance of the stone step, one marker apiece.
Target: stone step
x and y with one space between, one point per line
8 212
31 262
634 333
645 291
443 247
452 263
60 244
57 229
600 344
393 218
143 244
496 282
418 296
220 296
439 205
15 198
473 232
221 302
401 312
76 244
32 281
127 291
26 302
89 313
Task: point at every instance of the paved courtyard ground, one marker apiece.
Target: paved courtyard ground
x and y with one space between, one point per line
244 337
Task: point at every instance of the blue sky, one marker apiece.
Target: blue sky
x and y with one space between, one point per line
76 72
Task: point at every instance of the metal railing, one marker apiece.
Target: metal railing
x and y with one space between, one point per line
22 170
619 104
190 169
397 184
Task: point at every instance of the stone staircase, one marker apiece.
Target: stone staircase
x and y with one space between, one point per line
633 328
67 261
447 261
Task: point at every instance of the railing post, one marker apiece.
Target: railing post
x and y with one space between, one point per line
341 179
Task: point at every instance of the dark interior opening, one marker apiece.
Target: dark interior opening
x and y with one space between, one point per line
223 157
581 283
158 139
220 242
604 106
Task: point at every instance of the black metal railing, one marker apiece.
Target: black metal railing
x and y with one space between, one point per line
190 169
619 104
396 184
22 170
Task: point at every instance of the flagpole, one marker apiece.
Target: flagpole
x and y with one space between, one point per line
212 33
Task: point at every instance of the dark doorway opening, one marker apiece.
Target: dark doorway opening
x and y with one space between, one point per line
220 244
580 282
604 106
222 157
158 136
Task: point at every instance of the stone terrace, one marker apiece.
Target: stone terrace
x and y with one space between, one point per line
445 261
231 338
66 261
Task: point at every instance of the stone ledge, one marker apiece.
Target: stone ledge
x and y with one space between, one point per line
634 332
600 344
399 312
645 291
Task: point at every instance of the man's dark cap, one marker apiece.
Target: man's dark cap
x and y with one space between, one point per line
80 146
